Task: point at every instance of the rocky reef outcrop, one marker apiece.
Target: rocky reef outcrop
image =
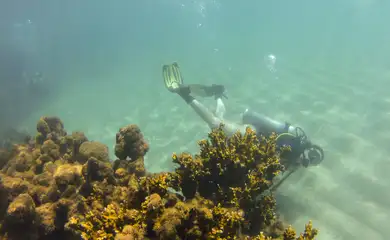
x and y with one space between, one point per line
63 186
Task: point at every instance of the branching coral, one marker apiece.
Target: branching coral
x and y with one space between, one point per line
233 171
64 185
106 224
308 234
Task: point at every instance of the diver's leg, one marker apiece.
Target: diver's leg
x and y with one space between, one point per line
207 116
205 113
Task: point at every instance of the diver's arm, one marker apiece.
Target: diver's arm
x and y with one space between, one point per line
220 109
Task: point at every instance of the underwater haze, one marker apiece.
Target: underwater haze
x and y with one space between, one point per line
320 65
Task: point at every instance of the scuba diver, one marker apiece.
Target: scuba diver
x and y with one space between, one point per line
302 152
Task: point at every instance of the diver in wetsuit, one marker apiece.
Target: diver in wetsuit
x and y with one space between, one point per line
287 135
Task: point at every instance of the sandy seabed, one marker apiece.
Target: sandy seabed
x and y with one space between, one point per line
346 196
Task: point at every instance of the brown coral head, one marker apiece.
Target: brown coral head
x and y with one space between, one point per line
68 174
130 143
50 128
94 149
21 210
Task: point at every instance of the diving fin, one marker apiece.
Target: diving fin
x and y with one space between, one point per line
172 76
173 80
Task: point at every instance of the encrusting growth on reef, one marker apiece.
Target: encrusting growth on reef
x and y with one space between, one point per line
63 186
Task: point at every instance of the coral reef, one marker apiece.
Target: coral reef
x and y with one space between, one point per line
253 163
63 186
130 143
